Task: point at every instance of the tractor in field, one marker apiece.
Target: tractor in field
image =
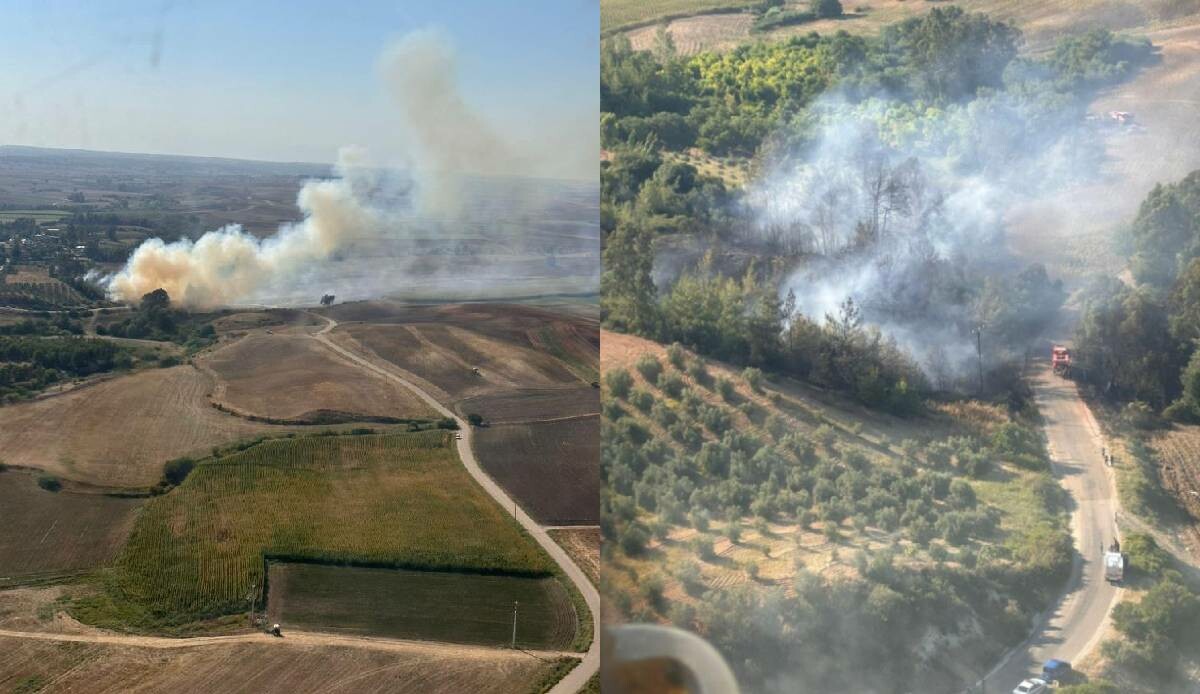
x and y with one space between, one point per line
1060 360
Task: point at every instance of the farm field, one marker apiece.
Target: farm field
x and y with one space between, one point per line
444 356
397 500
552 468
119 432
620 14
46 533
295 666
696 27
423 605
527 404
290 376
37 216
1178 454
583 544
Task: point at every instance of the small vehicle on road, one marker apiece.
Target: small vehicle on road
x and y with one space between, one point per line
1032 686
458 437
1056 670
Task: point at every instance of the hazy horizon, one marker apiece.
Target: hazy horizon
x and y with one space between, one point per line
285 83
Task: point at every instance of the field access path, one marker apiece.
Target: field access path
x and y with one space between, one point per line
1074 625
578 677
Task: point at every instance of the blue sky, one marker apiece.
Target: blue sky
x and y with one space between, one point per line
287 80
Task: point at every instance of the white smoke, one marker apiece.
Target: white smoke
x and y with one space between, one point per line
891 210
432 219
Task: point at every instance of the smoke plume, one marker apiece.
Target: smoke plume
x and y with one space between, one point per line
433 222
910 221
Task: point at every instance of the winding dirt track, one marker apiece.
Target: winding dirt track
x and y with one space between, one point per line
1074 625
578 677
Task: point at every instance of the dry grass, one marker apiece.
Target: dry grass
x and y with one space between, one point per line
120 432
583 544
288 375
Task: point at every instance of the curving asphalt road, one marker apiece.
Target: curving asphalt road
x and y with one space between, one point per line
1076 622
578 677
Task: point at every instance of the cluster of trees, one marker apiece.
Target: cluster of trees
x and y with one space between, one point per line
673 458
60 324
29 364
154 319
1156 630
1139 343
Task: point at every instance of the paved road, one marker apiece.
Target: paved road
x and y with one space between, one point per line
578 677
1076 622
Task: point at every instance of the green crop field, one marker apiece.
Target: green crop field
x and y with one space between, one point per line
398 500
625 14
38 216
426 605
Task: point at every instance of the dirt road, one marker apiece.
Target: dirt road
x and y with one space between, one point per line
1074 625
578 677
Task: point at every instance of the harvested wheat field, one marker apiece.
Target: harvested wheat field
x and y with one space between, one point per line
445 356
120 432
290 665
583 544
1178 453
291 376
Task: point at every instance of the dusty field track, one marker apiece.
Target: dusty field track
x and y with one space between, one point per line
423 605
583 545
290 375
43 533
527 404
1179 454
552 468
253 668
120 432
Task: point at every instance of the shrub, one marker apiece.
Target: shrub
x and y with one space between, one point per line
619 382
649 367
753 378
699 372
1145 555
677 356
641 399
49 482
633 540
826 8
671 383
726 389
176 471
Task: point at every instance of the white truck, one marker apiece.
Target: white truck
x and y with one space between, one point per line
1114 563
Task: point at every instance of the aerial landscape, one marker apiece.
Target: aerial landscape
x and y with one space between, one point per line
898 360
300 427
